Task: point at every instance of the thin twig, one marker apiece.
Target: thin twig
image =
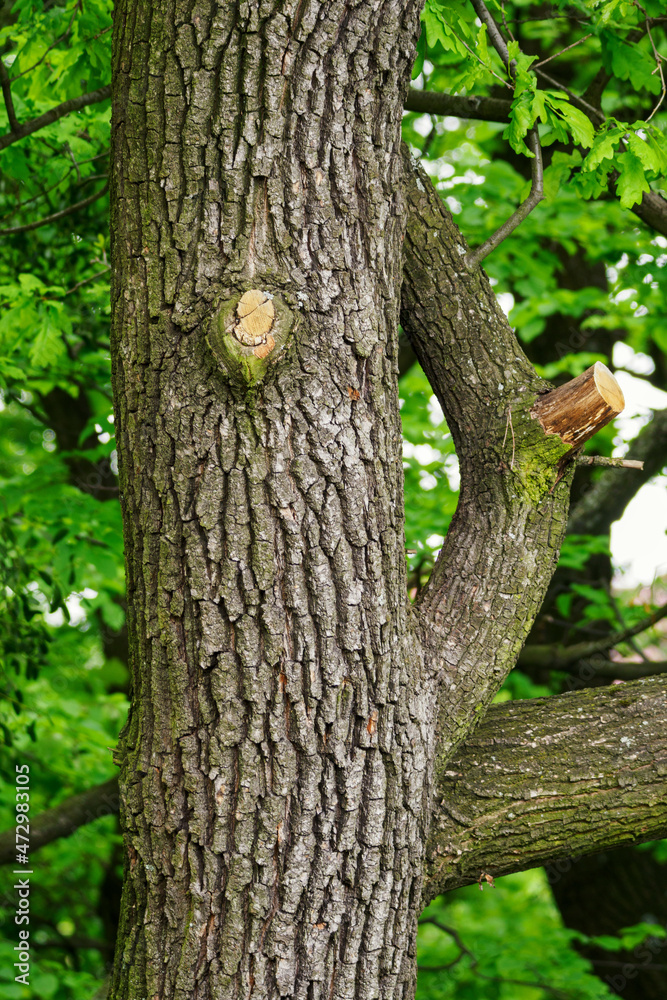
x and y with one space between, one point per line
617 637
20 207
495 37
429 138
632 643
7 95
36 197
59 111
68 151
658 63
617 670
505 24
453 933
535 196
509 424
550 17
55 216
614 463
554 991
559 657
536 193
566 49
93 277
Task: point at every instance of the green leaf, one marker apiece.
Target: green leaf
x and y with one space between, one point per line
576 550
651 155
604 147
558 172
521 120
627 61
631 183
48 346
30 283
576 122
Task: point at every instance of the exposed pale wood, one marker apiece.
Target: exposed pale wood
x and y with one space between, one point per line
576 410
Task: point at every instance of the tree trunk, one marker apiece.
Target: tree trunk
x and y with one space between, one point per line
276 766
275 774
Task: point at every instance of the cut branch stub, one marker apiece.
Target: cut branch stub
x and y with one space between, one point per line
576 410
248 333
256 314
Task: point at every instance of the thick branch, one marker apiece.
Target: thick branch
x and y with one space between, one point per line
577 410
609 496
501 547
35 124
540 780
64 819
495 37
652 209
552 778
613 670
486 109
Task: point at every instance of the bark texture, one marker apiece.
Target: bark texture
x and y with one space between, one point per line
275 773
275 781
624 790
502 546
550 779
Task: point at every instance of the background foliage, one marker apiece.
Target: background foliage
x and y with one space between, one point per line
584 280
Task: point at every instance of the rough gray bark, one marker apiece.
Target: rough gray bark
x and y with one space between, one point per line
485 815
275 781
275 774
502 545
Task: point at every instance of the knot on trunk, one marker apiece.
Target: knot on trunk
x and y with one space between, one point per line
248 331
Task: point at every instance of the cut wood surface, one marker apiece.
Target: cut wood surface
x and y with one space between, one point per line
576 410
